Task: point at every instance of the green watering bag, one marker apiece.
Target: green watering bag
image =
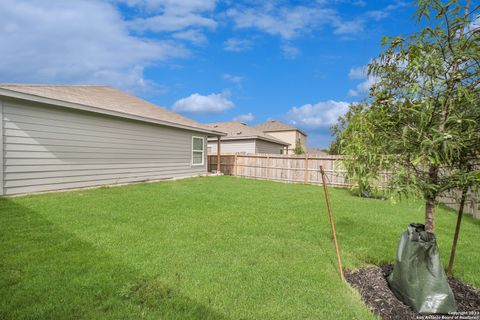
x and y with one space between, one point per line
418 277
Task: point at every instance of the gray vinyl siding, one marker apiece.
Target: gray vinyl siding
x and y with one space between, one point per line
51 148
268 147
233 146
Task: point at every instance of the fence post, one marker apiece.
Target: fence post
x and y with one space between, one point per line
333 171
289 171
218 155
475 204
235 164
268 167
306 169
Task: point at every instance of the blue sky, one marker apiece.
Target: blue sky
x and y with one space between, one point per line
301 62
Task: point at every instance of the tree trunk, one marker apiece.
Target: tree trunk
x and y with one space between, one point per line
430 200
430 215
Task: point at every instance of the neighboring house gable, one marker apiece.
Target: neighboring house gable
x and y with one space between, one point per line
284 132
242 138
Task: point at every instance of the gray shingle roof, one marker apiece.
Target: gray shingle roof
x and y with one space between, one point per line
106 98
240 130
274 125
315 151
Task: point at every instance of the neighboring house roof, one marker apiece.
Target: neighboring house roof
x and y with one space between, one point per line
238 130
274 125
102 99
315 151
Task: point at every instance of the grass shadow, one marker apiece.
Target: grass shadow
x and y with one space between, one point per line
48 273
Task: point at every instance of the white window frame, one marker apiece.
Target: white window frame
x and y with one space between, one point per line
203 151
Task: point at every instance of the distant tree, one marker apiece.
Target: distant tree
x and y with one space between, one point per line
337 129
298 148
421 121
335 145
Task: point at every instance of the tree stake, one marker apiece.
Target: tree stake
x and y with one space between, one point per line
330 213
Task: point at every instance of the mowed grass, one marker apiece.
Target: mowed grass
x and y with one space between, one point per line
202 248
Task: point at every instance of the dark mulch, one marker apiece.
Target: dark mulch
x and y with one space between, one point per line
373 287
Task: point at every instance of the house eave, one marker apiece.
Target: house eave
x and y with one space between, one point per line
284 130
226 138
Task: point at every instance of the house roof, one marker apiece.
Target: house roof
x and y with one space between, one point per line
102 99
240 130
274 125
315 151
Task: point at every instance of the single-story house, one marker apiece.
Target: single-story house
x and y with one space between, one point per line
244 139
284 132
55 137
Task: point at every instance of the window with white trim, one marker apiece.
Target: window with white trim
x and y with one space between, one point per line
198 151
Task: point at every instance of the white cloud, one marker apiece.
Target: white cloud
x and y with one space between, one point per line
352 93
244 117
358 72
130 80
378 14
192 35
365 86
199 104
348 27
75 42
173 6
290 51
387 11
321 114
290 22
232 78
171 23
172 15
359 3
286 22
237 45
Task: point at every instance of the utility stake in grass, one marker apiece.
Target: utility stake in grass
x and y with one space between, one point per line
332 223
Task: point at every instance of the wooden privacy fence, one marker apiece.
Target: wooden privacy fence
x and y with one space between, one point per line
306 169
472 203
287 168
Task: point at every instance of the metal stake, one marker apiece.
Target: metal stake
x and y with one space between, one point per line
457 231
337 249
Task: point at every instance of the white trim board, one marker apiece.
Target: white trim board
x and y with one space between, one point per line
1 149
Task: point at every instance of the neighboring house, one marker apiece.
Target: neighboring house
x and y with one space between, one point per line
284 132
316 152
62 137
242 138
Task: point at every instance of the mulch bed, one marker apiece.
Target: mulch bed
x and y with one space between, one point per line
373 287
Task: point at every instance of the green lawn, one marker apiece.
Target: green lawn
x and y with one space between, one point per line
202 248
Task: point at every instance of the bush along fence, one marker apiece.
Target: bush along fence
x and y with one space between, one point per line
306 169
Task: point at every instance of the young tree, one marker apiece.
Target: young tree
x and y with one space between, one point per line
421 121
298 148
